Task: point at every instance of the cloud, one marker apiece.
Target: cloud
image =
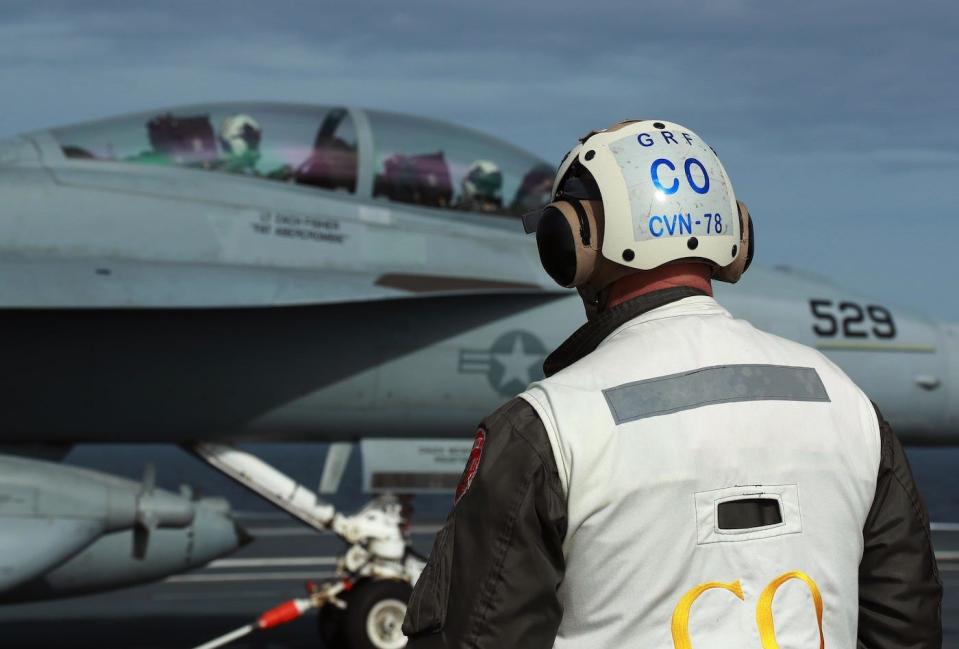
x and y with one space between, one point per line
805 75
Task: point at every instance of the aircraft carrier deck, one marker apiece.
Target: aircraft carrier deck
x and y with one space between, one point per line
186 610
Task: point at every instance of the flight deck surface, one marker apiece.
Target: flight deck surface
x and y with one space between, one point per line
188 609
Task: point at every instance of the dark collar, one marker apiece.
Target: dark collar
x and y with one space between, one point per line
587 338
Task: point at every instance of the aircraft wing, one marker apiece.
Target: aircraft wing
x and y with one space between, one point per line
29 547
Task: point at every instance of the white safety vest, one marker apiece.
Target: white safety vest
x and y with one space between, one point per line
678 411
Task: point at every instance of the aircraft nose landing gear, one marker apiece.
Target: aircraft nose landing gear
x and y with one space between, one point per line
374 616
384 624
365 615
365 606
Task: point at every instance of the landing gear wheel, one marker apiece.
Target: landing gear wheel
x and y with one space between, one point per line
374 617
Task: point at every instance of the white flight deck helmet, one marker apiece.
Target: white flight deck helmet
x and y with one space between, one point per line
240 134
640 194
483 181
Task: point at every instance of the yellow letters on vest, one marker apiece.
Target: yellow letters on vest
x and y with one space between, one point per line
764 609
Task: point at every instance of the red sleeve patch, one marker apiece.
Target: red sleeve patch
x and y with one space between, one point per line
472 466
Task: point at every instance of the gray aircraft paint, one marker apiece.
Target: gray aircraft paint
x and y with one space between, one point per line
163 304
66 530
170 315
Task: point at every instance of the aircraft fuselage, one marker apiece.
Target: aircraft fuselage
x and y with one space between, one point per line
147 302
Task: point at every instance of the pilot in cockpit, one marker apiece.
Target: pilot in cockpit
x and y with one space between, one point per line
240 137
482 188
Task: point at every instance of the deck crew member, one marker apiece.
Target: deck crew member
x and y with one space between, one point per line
679 478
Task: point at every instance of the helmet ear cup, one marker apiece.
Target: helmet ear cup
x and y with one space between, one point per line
744 251
751 247
567 237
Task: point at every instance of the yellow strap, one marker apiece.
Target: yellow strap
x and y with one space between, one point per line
680 625
764 608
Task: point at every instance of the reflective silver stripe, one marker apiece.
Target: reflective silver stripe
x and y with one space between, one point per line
709 385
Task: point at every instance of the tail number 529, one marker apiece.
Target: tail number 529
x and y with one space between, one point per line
850 319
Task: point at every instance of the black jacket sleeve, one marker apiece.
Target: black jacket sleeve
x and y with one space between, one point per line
900 592
495 566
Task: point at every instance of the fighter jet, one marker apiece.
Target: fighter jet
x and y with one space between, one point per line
213 273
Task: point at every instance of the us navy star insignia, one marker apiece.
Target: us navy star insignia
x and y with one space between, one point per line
512 362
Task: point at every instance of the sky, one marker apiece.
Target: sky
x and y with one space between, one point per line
835 120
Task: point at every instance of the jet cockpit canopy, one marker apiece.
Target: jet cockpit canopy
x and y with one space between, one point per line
436 164
372 154
309 145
